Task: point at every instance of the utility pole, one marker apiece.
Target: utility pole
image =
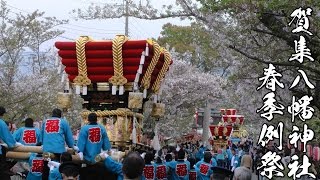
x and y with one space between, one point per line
126 18
205 124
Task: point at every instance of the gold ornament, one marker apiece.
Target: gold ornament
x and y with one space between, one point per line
118 80
238 121
229 120
158 110
216 131
225 130
135 100
64 100
118 112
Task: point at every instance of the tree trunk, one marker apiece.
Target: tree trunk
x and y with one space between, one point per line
205 124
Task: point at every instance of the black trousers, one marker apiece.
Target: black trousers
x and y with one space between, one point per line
4 166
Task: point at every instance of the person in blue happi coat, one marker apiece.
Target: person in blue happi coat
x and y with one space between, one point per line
168 158
112 165
55 133
6 137
229 155
235 160
193 174
204 168
221 156
92 138
161 169
149 170
36 162
199 154
28 135
180 168
213 161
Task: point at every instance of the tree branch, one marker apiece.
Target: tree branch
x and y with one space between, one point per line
288 64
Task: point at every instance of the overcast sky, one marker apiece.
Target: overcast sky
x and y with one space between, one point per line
98 29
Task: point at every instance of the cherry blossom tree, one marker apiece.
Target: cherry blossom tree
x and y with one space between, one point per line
186 87
29 81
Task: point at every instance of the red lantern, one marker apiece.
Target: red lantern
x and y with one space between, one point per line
309 150
316 153
231 111
300 146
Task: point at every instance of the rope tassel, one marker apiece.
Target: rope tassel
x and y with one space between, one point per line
114 90
134 131
121 90
77 89
156 143
144 93
84 90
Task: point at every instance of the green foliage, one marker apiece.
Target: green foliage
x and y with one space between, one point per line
28 84
194 39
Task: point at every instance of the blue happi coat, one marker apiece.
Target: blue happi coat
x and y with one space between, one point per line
180 169
93 138
36 167
193 174
161 171
236 162
55 132
149 172
29 136
54 174
213 161
203 170
6 136
229 154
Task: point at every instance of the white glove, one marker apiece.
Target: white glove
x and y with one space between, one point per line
53 163
76 148
18 144
143 155
104 154
80 154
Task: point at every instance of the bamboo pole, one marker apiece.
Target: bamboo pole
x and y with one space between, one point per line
26 155
18 155
34 149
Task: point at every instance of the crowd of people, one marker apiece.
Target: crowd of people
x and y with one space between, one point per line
190 160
